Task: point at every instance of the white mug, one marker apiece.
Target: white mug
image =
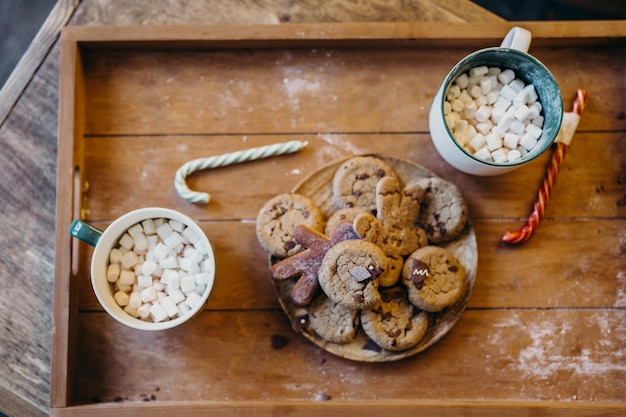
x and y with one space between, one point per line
105 240
512 54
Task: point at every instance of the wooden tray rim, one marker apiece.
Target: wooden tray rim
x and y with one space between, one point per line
360 35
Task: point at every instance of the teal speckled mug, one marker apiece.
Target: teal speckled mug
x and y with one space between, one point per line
512 54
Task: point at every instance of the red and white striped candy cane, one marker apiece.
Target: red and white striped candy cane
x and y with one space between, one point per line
549 179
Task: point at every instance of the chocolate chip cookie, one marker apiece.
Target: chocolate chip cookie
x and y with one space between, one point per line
332 321
349 273
434 278
354 182
444 211
394 323
278 219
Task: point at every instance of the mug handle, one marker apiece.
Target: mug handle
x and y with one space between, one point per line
517 38
85 232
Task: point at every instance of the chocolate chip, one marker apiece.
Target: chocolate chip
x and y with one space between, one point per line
289 245
419 273
374 271
305 213
360 273
371 345
299 323
453 268
279 341
380 173
357 193
362 176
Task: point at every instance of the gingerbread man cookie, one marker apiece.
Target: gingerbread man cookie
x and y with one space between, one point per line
393 228
306 264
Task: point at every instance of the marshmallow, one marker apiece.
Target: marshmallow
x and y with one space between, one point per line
126 241
522 113
176 225
453 92
141 244
113 272
134 300
506 76
475 91
508 93
144 310
126 278
506 121
517 127
528 141
148 294
496 114
187 283
493 142
483 113
462 80
514 155
164 230
499 156
478 142
169 305
465 97
457 105
534 130
144 281
517 85
478 71
511 140
531 93
483 153
158 313
485 127
121 298
149 228
470 110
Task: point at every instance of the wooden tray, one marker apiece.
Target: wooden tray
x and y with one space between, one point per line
544 330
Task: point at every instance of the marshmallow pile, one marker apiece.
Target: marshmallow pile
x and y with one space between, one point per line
493 115
159 270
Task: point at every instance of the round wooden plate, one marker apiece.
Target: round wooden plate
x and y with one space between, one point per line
318 187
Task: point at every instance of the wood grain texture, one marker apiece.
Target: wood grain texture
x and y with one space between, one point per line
146 12
526 355
35 55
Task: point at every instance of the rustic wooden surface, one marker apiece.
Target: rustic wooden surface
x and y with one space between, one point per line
590 194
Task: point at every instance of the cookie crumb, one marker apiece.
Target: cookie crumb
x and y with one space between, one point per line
279 341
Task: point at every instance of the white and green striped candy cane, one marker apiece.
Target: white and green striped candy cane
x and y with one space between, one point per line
227 159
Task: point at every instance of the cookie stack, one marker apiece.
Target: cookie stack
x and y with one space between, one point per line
373 260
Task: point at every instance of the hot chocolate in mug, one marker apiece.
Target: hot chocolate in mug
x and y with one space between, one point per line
529 72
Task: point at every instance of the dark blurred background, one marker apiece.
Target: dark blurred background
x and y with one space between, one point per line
21 19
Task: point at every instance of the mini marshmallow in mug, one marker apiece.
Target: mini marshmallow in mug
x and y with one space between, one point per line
528 104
